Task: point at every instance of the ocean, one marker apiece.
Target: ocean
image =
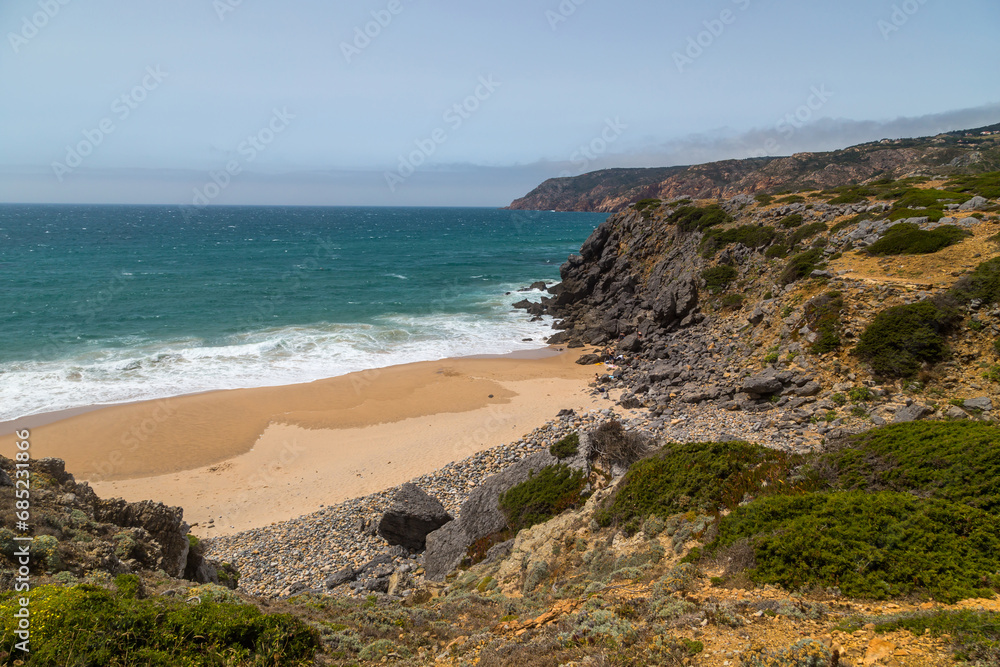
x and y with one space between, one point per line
108 304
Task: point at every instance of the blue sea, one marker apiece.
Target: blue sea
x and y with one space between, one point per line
106 304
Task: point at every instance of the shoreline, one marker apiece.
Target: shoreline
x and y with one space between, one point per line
248 458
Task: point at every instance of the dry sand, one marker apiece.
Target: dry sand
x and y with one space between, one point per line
251 457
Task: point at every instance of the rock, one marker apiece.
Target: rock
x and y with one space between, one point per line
411 517
955 412
5 479
630 343
589 359
818 273
808 389
396 580
559 338
446 548
499 551
341 577
55 468
163 523
573 343
982 403
911 413
763 384
974 203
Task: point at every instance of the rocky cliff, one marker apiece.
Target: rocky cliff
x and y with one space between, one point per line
613 190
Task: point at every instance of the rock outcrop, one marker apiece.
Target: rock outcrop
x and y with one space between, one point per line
411 517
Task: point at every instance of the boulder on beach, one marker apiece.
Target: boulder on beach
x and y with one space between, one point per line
412 516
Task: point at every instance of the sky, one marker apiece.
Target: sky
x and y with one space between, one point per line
414 102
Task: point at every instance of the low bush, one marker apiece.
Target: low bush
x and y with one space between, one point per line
955 461
777 251
763 198
986 185
902 338
751 236
791 221
718 278
643 204
869 545
89 625
732 302
823 315
801 265
695 218
975 635
982 284
907 238
545 495
930 203
803 233
566 447
696 476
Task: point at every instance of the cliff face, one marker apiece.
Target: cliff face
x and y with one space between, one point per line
613 190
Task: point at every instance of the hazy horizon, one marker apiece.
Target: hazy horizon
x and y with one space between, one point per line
394 103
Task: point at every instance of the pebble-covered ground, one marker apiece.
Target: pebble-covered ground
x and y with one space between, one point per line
304 552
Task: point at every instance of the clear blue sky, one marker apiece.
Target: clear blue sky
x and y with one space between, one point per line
331 114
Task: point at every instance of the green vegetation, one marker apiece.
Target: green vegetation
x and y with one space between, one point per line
823 316
694 476
803 233
718 278
907 238
567 447
853 194
954 461
913 203
870 545
801 265
751 236
764 199
732 302
643 204
982 284
545 495
791 199
89 625
986 185
975 634
902 338
694 218
791 221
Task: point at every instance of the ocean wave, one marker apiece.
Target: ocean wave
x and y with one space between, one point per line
117 373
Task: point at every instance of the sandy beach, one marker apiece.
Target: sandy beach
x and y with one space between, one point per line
251 457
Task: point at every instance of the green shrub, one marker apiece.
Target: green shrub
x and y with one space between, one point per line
791 221
643 204
778 250
718 278
869 545
955 461
732 301
791 199
860 395
907 238
916 202
88 625
693 476
566 447
803 233
902 338
853 195
986 185
823 315
695 218
553 490
763 199
983 284
800 266
751 236
975 635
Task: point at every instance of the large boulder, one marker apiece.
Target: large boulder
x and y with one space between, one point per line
911 413
412 516
762 384
479 516
164 524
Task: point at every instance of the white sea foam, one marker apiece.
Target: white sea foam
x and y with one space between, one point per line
131 371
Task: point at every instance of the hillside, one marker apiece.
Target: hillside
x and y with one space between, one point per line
612 190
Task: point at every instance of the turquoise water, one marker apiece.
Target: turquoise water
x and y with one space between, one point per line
104 304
